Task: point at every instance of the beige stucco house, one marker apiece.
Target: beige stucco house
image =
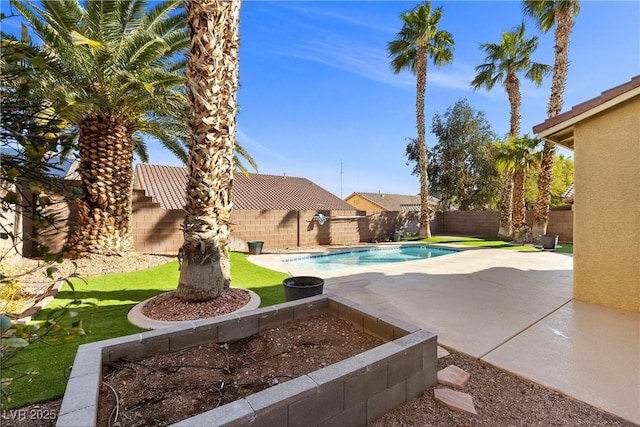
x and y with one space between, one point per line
380 202
604 134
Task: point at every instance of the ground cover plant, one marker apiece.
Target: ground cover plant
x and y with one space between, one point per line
105 302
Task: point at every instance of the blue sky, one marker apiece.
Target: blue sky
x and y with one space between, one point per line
317 94
318 99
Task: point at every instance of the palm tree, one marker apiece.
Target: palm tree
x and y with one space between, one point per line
514 158
503 63
115 76
418 39
525 155
561 14
505 230
211 86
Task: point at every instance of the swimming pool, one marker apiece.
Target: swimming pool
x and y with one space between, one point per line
364 257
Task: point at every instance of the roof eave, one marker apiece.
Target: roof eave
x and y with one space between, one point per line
559 129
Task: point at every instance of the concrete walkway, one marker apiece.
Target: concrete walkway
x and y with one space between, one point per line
511 309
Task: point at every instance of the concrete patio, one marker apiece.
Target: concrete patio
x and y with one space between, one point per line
511 309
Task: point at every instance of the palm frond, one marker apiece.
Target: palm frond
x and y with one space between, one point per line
170 139
241 152
512 55
420 29
537 72
544 11
140 147
159 19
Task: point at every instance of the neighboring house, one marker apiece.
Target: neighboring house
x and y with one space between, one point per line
387 202
279 210
567 196
167 185
401 203
604 134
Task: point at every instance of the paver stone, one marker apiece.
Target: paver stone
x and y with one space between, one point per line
442 352
453 377
455 400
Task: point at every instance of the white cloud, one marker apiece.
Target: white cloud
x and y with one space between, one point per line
253 147
369 62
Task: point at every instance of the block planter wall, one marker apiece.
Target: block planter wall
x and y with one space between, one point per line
354 391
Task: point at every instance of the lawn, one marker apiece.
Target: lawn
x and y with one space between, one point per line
114 295
493 242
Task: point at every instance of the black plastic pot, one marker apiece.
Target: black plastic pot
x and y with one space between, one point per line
549 241
395 236
299 287
255 247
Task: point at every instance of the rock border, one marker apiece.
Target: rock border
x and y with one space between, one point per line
137 318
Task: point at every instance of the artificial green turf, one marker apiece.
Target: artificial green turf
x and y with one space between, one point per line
564 248
114 295
481 242
493 242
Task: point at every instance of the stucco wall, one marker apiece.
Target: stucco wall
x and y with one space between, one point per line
607 208
361 203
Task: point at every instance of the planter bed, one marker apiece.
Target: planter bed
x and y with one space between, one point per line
353 391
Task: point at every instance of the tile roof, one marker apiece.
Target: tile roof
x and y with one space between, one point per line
167 185
567 196
392 202
592 106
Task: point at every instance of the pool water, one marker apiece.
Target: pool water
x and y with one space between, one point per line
364 257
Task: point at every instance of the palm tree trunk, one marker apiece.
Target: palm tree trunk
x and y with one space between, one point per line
421 76
512 86
519 225
106 174
506 205
212 85
565 21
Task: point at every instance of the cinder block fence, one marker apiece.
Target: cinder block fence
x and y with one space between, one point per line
158 230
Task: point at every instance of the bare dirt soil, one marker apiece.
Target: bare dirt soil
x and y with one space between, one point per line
501 399
160 390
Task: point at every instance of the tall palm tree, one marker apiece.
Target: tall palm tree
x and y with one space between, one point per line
525 156
548 14
115 76
504 61
420 39
514 158
211 86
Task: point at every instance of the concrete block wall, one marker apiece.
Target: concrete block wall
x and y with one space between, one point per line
342 228
560 223
291 228
65 211
277 228
486 223
477 223
354 391
380 225
155 230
